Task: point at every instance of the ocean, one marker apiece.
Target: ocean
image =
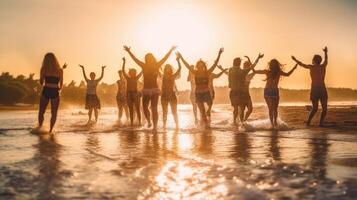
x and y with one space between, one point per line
108 161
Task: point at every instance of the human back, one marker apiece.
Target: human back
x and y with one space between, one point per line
51 71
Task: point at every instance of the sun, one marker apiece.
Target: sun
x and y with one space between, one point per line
190 29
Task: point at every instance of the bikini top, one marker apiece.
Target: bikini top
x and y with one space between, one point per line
52 79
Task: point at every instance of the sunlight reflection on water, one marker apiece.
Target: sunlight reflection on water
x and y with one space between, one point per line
108 162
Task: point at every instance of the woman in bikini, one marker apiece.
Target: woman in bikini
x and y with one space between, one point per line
202 90
51 78
271 90
132 93
151 91
168 89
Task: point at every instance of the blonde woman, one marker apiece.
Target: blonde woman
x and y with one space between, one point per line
51 78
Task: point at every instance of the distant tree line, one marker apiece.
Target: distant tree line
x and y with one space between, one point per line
27 90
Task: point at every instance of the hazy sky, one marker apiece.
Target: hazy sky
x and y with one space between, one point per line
92 33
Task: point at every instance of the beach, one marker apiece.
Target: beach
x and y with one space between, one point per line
108 161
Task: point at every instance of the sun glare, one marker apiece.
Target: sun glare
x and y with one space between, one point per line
189 29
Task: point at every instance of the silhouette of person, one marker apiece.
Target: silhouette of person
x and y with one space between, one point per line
122 96
51 78
271 90
151 91
318 87
92 99
191 79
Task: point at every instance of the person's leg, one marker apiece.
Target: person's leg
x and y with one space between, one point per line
146 101
131 112
42 109
315 107
164 105
209 109
201 108
194 107
90 115
324 111
54 108
271 114
96 114
126 111
137 110
235 114
241 114
155 114
275 110
249 109
120 111
173 105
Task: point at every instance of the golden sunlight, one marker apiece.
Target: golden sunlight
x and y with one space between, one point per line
188 28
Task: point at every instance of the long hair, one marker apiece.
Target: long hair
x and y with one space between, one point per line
150 59
274 69
50 63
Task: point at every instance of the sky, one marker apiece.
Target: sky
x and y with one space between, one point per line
92 33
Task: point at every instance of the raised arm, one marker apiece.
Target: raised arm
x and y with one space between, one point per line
139 75
326 57
300 63
210 70
163 60
84 73
260 56
123 69
290 72
136 60
177 74
188 66
102 74
64 66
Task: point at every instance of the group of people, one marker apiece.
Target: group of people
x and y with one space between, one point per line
129 97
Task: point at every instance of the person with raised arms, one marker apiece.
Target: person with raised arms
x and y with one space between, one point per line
151 92
121 96
133 95
168 89
202 91
238 94
271 90
318 87
92 99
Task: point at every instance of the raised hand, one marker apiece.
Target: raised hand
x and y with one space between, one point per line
173 48
293 57
221 50
81 66
325 49
126 48
64 66
260 56
178 56
103 67
123 59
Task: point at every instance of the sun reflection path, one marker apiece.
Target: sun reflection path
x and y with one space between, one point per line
182 180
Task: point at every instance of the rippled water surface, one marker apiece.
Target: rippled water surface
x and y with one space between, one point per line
105 161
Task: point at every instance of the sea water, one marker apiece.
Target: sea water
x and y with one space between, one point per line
107 161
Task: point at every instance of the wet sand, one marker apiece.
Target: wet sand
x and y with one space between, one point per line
105 161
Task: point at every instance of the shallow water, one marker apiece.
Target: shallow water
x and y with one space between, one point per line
108 162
